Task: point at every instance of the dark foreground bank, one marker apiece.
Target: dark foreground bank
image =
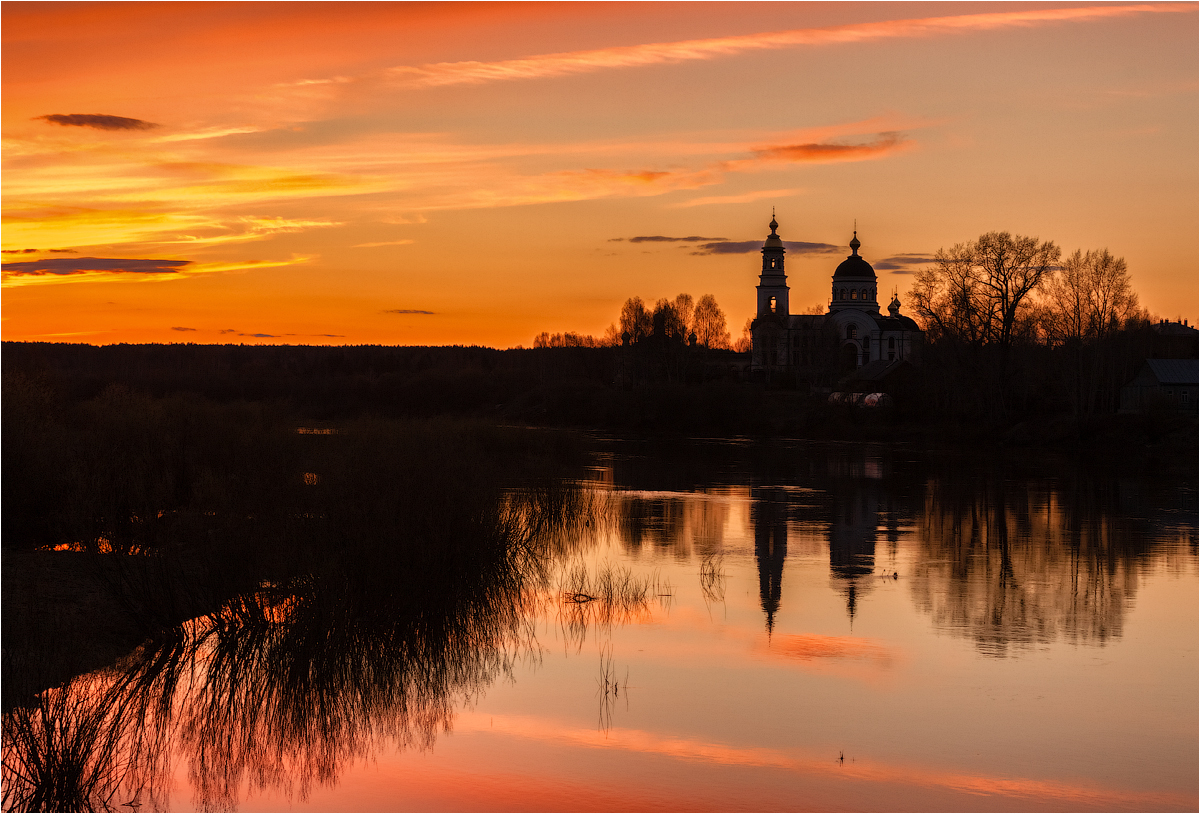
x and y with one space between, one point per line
631 391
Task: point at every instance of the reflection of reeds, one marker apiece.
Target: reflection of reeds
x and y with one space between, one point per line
609 688
613 594
712 578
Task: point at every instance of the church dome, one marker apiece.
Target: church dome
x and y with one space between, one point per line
854 266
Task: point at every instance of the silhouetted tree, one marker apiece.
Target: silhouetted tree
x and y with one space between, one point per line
977 296
708 323
636 320
1087 302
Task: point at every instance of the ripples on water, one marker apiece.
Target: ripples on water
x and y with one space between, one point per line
802 626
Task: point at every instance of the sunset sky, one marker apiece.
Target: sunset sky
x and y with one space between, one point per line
476 174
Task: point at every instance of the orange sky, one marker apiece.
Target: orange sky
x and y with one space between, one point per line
476 174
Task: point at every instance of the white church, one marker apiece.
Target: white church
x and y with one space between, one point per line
867 342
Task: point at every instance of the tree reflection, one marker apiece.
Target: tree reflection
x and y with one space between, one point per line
281 687
1014 564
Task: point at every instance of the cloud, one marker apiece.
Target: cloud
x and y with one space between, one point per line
736 199
822 152
664 239
35 251
98 121
227 331
408 311
383 243
900 263
83 265
259 336
748 246
442 74
177 328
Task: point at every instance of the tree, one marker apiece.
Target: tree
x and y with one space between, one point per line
1087 302
708 323
636 320
977 296
1090 297
685 310
667 322
745 342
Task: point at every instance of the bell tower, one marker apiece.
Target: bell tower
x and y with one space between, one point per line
772 281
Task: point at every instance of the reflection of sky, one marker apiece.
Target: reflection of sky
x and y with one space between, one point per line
719 715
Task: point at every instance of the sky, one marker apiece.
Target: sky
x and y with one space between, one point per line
379 173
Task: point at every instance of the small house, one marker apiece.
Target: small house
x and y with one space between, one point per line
1164 384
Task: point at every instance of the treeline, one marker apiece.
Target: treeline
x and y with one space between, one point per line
669 322
1015 329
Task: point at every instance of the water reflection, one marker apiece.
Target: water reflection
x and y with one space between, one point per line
768 513
285 685
1004 557
374 633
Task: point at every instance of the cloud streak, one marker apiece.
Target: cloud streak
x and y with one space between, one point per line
442 74
902 263
748 246
97 121
82 265
409 311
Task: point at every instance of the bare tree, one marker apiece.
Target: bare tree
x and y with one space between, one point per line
1088 301
685 309
708 323
636 320
744 343
977 296
667 322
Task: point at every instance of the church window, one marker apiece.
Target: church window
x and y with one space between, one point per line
772 305
853 294
891 343
843 294
864 294
851 332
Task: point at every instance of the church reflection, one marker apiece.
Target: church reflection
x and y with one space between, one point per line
769 514
850 513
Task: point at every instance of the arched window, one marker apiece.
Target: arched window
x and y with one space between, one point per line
851 332
772 305
853 294
891 342
772 262
864 294
843 294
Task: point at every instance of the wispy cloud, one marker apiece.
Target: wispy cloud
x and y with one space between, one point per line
82 265
178 328
97 121
442 74
29 272
383 243
821 152
903 263
665 239
745 197
408 311
748 246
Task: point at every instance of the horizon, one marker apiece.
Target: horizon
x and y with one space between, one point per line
461 175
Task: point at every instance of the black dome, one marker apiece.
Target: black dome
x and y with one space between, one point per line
854 266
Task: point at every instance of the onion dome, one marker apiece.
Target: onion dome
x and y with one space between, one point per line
773 241
853 265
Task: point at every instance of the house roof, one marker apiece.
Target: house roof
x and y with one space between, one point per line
1175 371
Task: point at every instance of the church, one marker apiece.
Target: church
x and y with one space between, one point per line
852 337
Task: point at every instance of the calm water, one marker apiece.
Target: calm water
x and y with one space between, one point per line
718 626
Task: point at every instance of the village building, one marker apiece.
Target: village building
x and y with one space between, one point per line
860 339
1170 384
